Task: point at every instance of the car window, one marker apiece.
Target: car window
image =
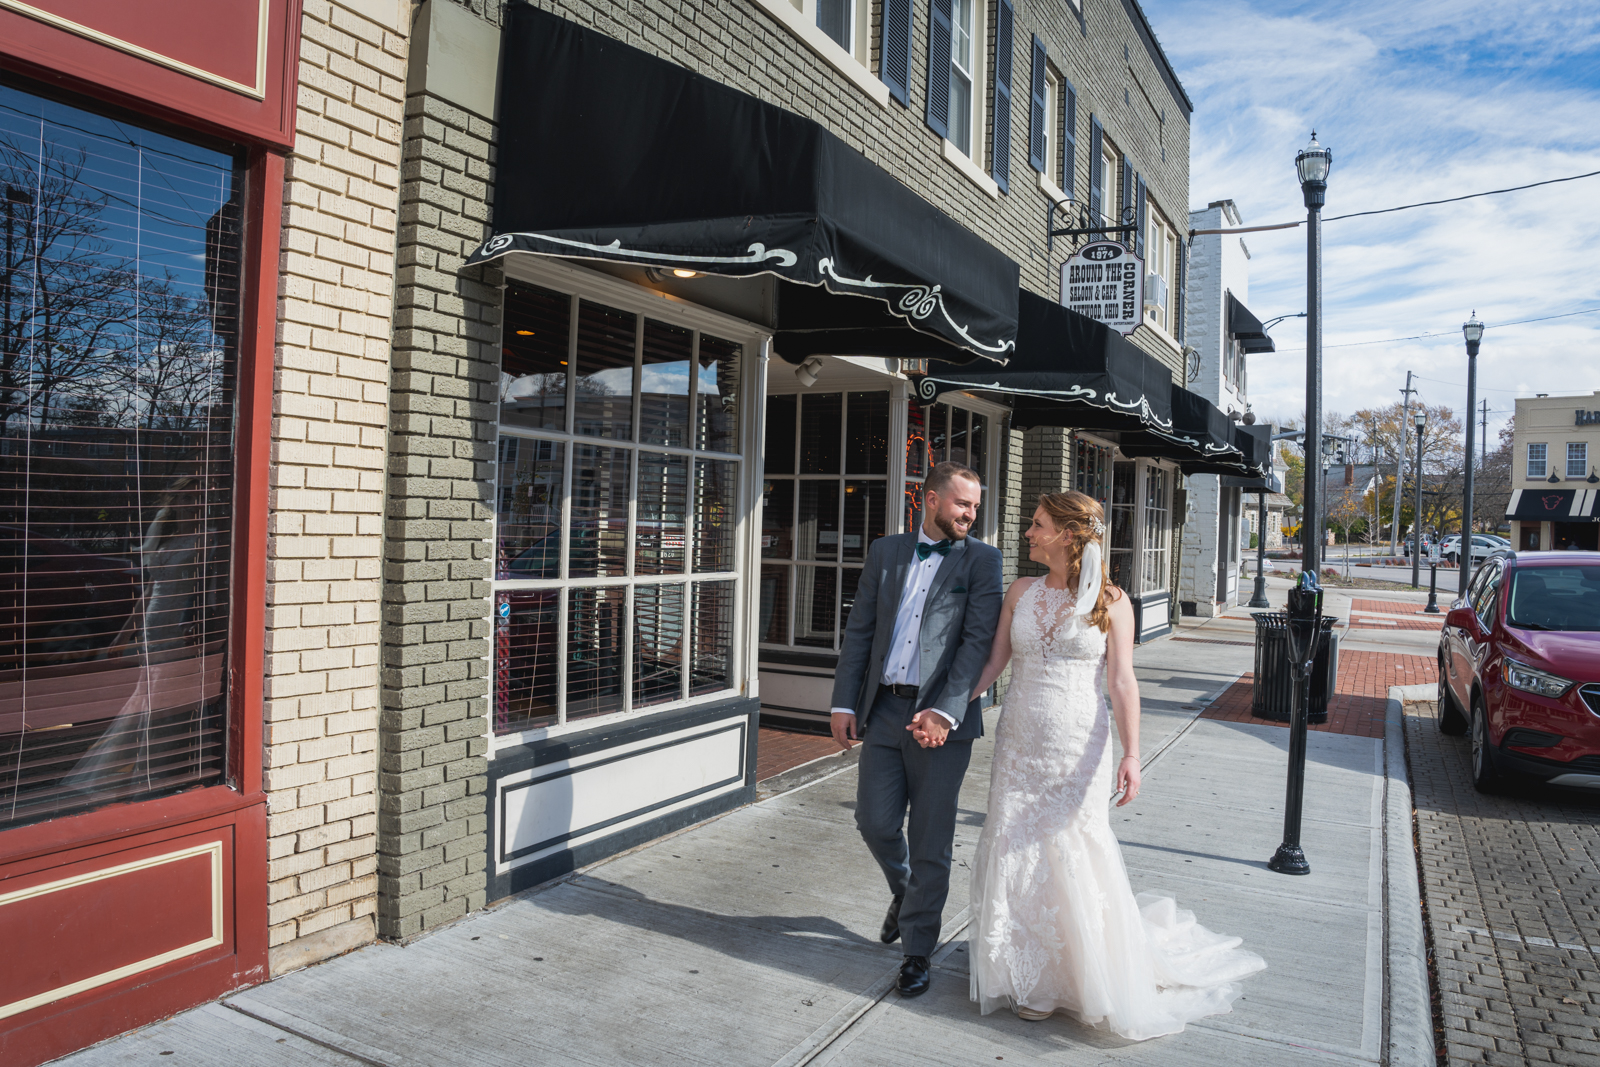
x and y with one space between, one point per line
1555 598
1483 596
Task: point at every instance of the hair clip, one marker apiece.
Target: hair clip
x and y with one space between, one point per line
1099 528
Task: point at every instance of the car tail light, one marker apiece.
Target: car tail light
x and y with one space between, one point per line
1521 676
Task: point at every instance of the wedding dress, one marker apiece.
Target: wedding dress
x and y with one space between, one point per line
1055 923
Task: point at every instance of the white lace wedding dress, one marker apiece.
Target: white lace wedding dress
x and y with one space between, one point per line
1055 923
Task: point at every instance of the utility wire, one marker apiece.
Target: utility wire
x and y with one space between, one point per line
1402 207
1450 333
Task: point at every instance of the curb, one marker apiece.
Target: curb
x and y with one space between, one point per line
1410 1015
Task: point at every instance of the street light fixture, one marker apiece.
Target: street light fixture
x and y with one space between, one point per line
1472 330
1313 164
1421 420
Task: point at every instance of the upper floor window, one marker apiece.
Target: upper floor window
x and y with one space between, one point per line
1051 126
1537 455
963 73
837 19
1161 258
1577 459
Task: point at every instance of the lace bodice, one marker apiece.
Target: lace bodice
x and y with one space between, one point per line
1044 629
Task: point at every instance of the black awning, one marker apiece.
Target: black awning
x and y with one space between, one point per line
1202 439
607 152
1554 505
1246 328
1068 370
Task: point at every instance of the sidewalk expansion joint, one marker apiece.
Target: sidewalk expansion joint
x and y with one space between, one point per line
1538 942
304 1035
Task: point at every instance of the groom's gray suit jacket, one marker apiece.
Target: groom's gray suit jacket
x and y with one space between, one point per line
958 624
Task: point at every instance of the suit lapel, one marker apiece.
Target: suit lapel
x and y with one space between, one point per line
904 552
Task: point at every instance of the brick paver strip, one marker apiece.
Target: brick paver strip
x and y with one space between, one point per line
1511 893
1360 696
782 750
1380 615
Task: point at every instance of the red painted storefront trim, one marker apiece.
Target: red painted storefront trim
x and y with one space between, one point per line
234 813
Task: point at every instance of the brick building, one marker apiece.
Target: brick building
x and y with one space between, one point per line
1553 479
471 549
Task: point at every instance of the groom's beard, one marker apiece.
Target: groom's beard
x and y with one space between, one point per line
948 527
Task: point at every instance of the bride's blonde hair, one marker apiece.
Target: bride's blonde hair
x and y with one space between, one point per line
1082 516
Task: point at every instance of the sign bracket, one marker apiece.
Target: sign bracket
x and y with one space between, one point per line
1082 223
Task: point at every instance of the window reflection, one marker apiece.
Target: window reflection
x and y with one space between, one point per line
712 666
664 385
657 644
528 508
606 339
533 357
526 658
119 306
716 499
777 518
663 509
817 532
599 511
594 650
717 397
815 589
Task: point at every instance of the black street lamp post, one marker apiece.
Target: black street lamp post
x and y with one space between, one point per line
1305 634
1421 420
1313 164
1472 330
1258 598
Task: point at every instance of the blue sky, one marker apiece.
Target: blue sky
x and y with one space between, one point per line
1419 100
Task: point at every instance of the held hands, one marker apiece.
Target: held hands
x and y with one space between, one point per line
929 728
1127 779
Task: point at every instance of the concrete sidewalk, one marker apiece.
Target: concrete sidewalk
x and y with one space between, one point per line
750 940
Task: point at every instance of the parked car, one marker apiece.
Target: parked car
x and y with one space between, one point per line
1519 668
1427 546
1483 546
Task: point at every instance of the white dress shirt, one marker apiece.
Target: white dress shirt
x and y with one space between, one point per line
902 665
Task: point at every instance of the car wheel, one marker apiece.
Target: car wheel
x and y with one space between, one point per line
1485 775
1451 721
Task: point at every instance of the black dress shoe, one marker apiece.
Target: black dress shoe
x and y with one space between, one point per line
891 923
913 977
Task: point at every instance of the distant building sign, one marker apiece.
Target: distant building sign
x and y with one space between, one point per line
1105 281
1588 418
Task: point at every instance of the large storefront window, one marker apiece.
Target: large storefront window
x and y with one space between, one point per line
119 302
1120 557
617 499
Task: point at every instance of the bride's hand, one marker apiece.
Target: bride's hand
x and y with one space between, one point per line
1128 779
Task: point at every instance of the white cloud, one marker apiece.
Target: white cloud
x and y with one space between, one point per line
1419 101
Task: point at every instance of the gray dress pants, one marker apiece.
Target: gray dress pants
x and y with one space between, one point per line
897 774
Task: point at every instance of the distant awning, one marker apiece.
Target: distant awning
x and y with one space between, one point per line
1554 505
1246 328
607 152
1070 371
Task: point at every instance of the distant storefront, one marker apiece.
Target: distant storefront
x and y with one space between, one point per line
1555 490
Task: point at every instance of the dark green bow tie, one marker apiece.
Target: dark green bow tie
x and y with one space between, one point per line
924 549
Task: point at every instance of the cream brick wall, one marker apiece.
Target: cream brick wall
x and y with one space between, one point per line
329 428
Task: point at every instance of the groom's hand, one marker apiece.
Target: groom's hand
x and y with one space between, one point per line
844 729
929 728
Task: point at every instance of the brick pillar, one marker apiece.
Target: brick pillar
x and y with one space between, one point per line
433 734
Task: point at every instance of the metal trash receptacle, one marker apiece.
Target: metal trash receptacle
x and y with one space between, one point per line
1272 696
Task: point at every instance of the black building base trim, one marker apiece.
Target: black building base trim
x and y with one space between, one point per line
599 740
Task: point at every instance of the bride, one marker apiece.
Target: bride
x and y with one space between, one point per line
1055 925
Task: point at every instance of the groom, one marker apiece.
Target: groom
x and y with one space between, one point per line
916 643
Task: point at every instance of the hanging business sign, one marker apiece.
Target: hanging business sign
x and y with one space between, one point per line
1105 281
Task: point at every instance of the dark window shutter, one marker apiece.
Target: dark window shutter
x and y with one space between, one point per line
1069 139
938 113
1036 111
1179 285
1127 200
1138 217
895 61
1097 169
1004 46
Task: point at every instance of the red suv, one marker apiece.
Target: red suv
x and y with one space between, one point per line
1519 666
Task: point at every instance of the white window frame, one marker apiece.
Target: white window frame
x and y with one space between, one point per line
1050 178
1543 468
970 162
1577 453
1161 255
799 17
1110 181
585 284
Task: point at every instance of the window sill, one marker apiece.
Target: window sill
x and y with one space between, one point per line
827 48
966 166
1163 336
1053 191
